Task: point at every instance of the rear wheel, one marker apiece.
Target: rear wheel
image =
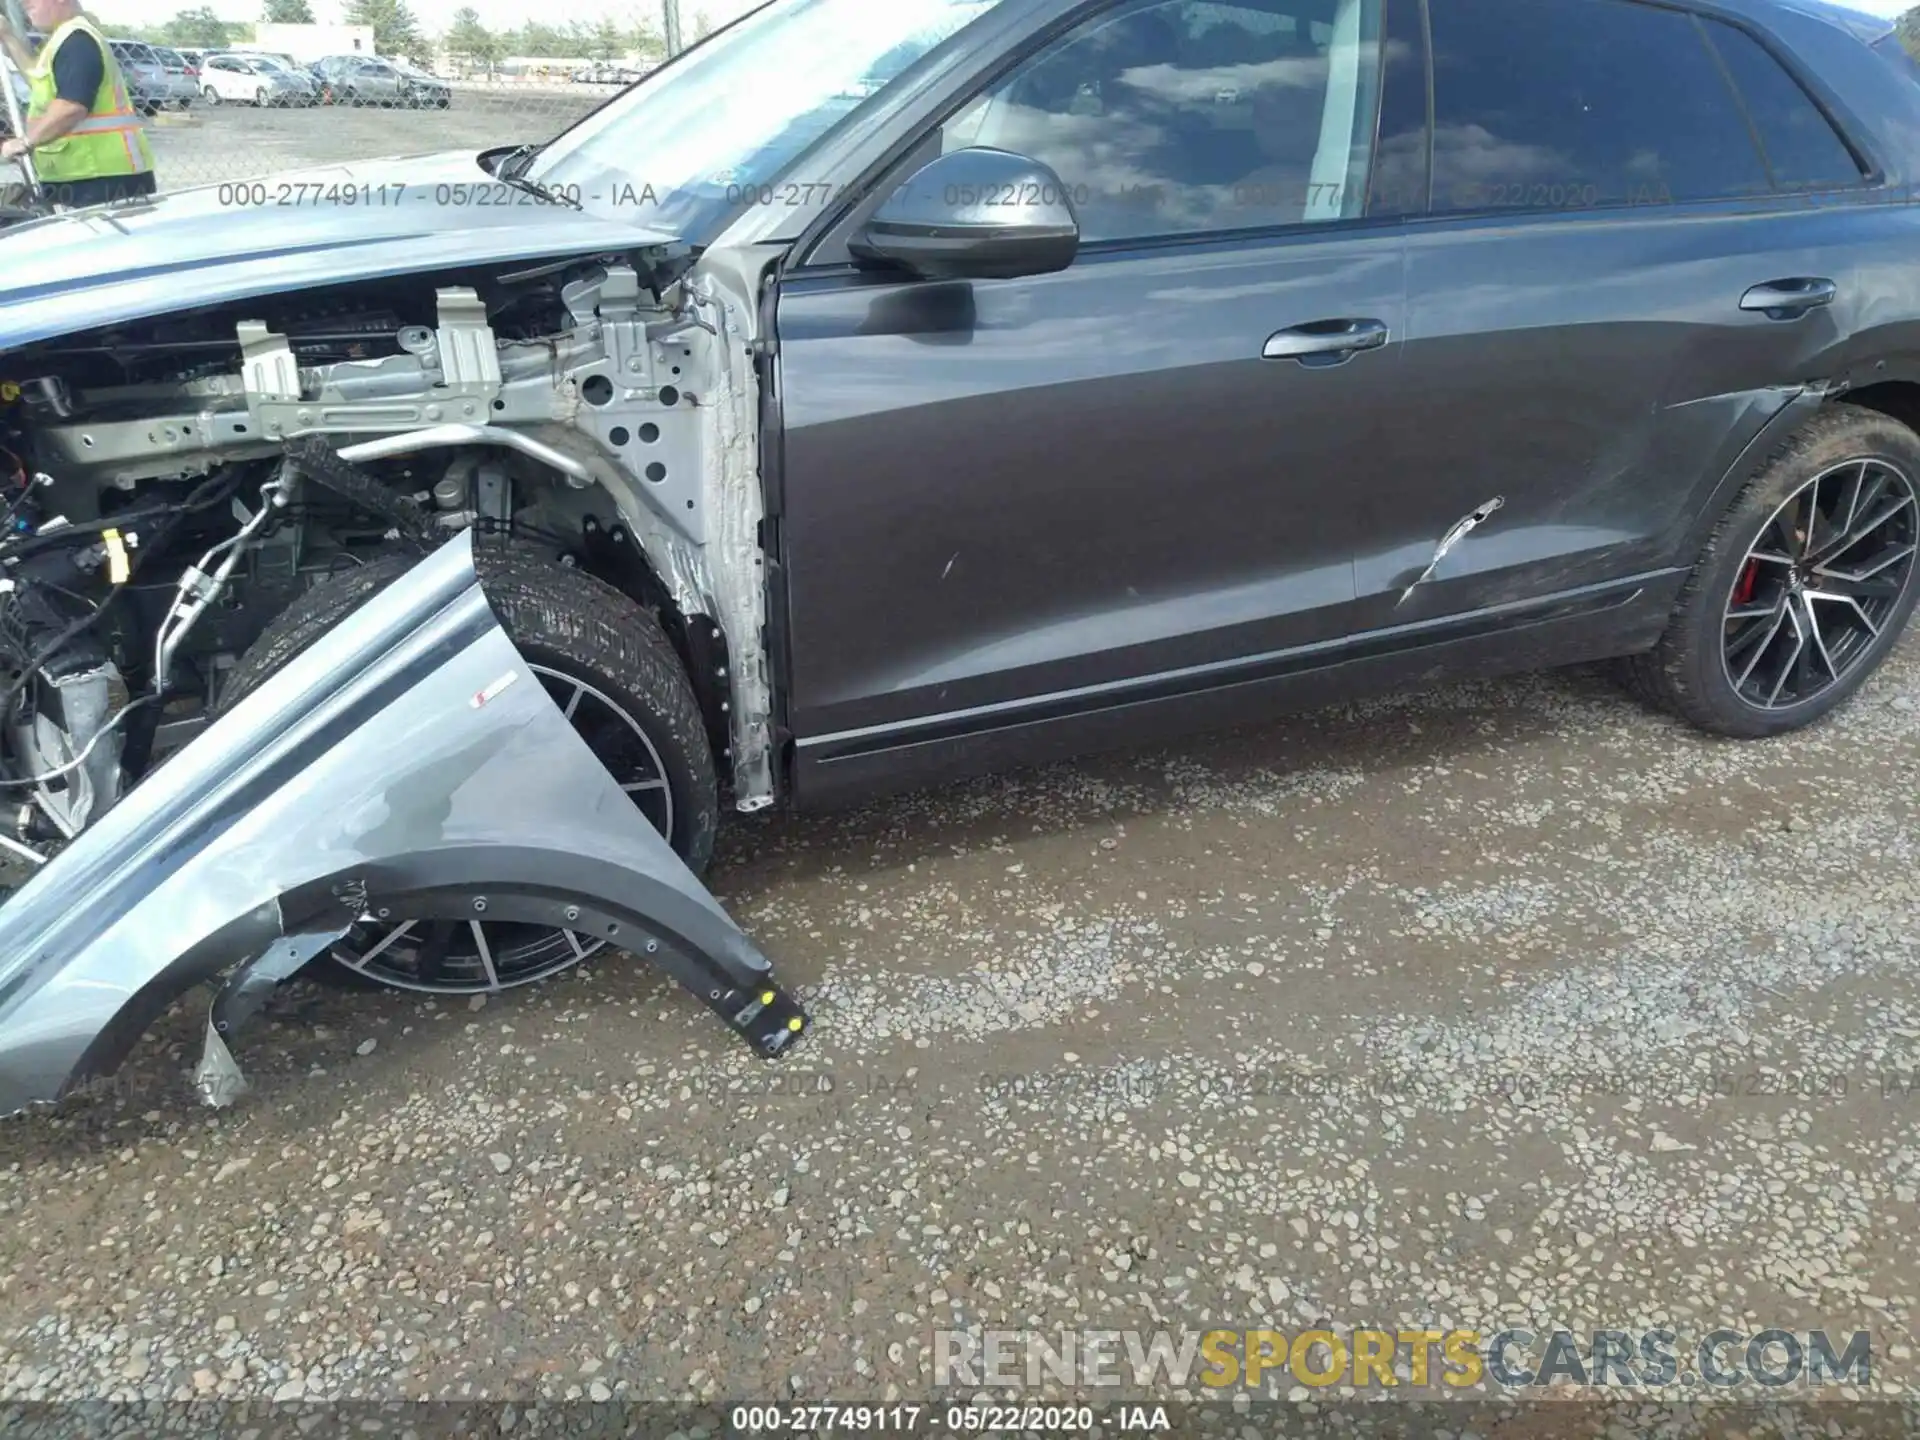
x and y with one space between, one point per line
260 97
212 95
614 675
1805 586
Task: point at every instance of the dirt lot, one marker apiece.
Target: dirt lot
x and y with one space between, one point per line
1511 1004
238 142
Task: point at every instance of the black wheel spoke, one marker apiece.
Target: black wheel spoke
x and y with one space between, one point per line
1878 517
1785 544
431 957
1791 667
1852 485
1764 634
485 952
386 943
1871 572
1816 640
1835 588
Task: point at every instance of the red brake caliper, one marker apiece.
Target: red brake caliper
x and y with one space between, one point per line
1749 578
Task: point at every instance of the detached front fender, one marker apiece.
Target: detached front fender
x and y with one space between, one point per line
407 765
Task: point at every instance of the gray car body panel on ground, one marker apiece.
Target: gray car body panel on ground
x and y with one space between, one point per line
407 754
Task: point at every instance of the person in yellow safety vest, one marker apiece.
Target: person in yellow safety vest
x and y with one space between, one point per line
81 129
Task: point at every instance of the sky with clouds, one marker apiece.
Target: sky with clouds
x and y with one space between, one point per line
434 15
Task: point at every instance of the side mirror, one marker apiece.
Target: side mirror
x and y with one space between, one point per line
975 214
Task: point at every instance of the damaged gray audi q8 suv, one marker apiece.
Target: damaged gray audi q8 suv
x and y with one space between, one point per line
405 562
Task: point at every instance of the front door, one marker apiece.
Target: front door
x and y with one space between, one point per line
1009 500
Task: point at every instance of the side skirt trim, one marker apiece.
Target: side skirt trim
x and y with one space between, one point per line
1374 644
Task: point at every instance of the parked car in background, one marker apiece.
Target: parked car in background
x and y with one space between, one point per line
610 75
177 63
429 91
284 64
154 82
248 80
374 80
196 59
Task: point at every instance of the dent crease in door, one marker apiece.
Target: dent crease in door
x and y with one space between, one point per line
408 765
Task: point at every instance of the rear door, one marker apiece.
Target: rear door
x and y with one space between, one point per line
1009 497
1614 183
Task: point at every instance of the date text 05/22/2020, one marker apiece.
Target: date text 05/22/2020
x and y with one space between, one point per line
928 1419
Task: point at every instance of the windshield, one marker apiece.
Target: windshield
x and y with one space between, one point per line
693 142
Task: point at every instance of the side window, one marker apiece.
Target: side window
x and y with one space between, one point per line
1179 117
1803 149
1569 104
1399 183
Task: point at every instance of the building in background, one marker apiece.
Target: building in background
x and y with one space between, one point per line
309 42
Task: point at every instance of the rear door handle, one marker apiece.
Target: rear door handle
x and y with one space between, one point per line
1327 339
1790 299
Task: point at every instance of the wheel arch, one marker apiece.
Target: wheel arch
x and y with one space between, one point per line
1897 397
1895 392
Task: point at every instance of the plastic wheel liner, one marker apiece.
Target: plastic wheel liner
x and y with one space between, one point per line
406 766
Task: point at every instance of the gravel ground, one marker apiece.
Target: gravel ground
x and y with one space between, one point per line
1510 1004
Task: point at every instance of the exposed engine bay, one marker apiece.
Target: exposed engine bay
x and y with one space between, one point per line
167 487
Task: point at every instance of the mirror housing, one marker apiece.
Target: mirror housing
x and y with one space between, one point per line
974 214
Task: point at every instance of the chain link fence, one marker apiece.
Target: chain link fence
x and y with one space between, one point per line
214 139
246 111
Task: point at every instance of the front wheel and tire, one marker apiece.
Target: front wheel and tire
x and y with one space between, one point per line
614 675
1805 586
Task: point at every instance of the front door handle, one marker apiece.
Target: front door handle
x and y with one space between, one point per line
1790 299
1325 339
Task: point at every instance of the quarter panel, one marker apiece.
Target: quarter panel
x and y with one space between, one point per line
1595 373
